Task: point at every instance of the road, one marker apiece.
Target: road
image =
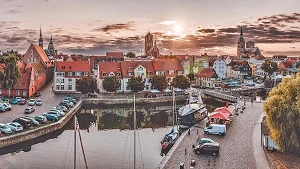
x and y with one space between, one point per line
49 100
236 150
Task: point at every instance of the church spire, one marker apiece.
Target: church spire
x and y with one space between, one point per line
41 38
241 31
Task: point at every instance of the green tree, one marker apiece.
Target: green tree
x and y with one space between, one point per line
159 82
136 84
130 55
10 73
191 76
111 84
181 82
86 85
269 67
283 114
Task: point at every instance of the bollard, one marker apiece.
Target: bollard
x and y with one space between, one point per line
189 132
181 166
197 131
193 163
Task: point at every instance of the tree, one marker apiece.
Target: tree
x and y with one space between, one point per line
130 55
86 85
111 84
136 84
283 114
181 82
159 82
269 67
191 76
10 74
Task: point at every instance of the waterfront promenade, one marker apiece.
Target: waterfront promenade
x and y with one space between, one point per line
236 147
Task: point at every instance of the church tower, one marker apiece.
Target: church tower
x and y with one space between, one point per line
148 42
51 47
41 39
241 44
155 52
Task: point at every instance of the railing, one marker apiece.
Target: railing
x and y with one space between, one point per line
220 95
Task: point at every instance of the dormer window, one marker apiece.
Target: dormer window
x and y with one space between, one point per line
129 74
104 74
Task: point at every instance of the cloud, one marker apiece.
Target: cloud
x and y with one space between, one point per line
14 11
206 30
10 0
167 22
116 27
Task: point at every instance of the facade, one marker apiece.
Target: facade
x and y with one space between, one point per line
239 69
219 66
254 69
146 69
150 48
257 62
66 73
207 78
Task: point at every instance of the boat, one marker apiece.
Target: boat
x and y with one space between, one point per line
192 113
170 138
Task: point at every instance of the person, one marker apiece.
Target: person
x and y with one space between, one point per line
252 101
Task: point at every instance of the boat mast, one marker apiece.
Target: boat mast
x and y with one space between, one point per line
173 107
134 128
75 122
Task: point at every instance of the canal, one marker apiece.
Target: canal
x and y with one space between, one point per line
107 140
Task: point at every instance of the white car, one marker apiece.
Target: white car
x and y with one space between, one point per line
5 129
57 111
15 126
31 102
7 106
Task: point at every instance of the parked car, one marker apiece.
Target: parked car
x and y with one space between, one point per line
14 101
37 94
72 99
219 129
50 117
22 102
6 100
1 98
7 106
24 122
39 102
207 148
15 126
31 102
92 95
41 119
2 108
71 104
29 110
206 140
5 129
57 111
32 120
53 113
64 104
62 108
19 98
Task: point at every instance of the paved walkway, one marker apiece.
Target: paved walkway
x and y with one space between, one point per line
238 149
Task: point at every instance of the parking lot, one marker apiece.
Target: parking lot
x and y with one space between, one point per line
49 100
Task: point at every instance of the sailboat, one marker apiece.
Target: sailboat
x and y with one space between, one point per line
170 138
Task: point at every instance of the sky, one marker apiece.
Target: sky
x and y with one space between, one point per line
94 27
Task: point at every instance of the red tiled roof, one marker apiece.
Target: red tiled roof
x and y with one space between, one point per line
129 66
206 72
114 54
108 67
284 65
43 55
75 66
38 67
25 73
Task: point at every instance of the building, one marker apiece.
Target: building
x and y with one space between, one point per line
67 72
219 66
208 78
150 48
241 44
256 64
239 69
50 52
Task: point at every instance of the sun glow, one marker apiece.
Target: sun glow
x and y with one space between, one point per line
177 29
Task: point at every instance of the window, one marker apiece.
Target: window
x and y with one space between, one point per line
150 73
70 73
0 91
18 92
69 87
77 73
57 80
119 74
140 69
63 67
70 67
86 73
57 87
104 74
62 80
171 72
130 74
96 66
62 87
70 81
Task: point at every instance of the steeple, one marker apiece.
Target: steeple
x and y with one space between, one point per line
41 38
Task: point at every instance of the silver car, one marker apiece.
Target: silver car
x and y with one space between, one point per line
31 102
5 129
15 126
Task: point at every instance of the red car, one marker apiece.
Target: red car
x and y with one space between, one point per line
22 102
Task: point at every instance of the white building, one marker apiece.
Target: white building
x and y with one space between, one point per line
219 66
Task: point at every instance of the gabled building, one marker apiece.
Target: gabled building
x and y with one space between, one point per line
107 69
219 66
207 78
256 64
239 69
66 73
288 67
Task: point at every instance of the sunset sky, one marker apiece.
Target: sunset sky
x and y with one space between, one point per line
180 27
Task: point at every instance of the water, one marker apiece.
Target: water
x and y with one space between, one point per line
105 144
